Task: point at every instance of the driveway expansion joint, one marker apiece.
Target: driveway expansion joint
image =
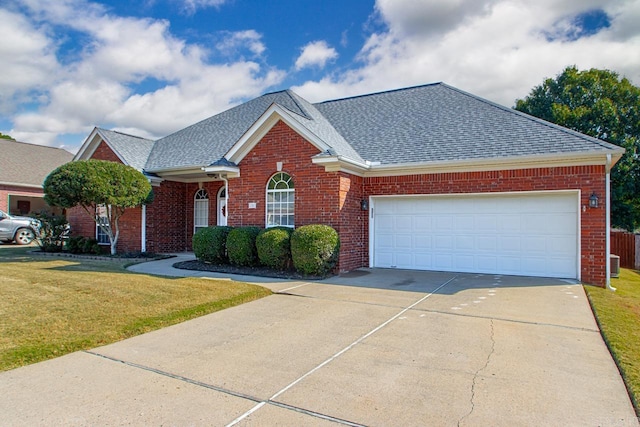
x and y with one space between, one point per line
176 377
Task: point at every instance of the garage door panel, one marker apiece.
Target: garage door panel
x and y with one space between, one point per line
443 243
465 222
465 242
534 234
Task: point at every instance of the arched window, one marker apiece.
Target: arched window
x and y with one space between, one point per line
200 210
280 201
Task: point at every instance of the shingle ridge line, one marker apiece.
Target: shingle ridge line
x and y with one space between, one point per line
379 93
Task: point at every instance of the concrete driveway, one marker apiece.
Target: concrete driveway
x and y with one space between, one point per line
379 348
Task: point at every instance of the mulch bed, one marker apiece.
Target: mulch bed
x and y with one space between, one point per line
246 271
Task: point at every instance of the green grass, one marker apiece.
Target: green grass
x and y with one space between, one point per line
53 306
618 314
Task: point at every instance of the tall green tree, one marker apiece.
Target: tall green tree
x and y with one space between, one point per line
604 105
95 184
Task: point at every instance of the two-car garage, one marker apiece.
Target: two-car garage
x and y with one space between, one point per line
524 233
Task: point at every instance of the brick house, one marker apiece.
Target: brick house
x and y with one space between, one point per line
427 177
23 168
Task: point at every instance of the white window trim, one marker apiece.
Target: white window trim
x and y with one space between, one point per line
204 222
271 191
99 232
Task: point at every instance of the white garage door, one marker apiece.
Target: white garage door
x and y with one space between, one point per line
532 234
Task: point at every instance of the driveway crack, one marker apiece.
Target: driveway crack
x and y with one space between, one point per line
477 375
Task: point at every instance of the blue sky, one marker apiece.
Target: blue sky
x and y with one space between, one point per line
152 67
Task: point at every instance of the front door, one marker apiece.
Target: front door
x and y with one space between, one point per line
222 207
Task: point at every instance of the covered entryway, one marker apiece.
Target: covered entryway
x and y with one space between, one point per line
532 234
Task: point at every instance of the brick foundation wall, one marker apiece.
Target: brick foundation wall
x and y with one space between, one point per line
586 178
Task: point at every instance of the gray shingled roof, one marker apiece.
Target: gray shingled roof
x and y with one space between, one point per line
208 141
133 149
29 164
420 124
439 123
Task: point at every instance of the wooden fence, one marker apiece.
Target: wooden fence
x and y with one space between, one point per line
623 244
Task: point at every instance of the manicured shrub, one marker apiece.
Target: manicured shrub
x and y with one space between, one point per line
241 246
274 247
83 245
315 249
54 230
210 244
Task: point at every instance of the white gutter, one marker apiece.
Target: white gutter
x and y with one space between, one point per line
608 222
143 231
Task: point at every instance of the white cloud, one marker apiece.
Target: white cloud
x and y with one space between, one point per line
190 6
100 86
496 49
26 57
249 39
315 54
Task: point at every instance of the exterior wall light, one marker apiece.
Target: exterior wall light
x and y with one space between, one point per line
593 200
364 204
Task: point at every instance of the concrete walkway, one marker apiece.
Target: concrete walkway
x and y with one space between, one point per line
377 348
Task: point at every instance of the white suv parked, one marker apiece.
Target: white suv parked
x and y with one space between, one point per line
20 229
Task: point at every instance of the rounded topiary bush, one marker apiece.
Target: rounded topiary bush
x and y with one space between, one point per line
241 246
315 249
274 247
210 244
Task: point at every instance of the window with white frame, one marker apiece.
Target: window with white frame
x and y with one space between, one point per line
200 210
103 213
280 201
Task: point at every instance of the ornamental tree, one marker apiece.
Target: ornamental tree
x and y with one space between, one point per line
601 104
96 183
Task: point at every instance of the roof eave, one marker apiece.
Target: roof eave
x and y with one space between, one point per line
19 184
197 173
338 163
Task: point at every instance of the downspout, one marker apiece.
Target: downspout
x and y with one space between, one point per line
226 199
143 232
608 222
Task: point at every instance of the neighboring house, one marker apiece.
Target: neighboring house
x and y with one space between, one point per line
23 169
428 178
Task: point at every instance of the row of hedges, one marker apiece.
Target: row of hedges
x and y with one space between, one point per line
310 249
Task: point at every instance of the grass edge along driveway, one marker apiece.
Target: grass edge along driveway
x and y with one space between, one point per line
618 316
53 306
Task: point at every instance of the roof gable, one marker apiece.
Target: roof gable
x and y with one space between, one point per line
131 150
29 164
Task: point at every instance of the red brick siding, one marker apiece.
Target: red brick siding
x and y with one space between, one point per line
317 192
353 220
166 220
586 178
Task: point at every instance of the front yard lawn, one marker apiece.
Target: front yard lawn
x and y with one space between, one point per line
53 306
618 314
